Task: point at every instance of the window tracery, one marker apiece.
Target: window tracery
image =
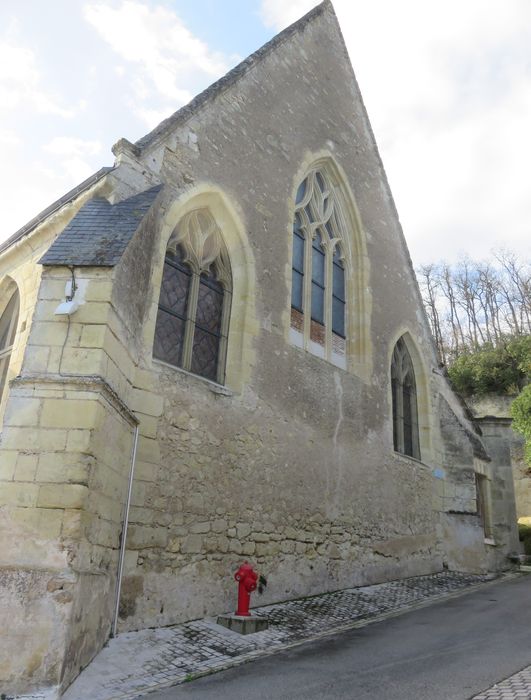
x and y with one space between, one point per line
194 305
405 411
8 329
318 295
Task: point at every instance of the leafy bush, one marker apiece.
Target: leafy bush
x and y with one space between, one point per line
504 369
521 413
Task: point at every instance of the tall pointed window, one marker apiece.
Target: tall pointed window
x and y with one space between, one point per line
318 309
194 305
405 413
8 329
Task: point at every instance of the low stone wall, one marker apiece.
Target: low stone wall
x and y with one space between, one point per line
499 407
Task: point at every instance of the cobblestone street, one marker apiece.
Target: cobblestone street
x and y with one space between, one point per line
517 687
137 663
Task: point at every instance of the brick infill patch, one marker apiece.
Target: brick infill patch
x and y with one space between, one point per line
137 663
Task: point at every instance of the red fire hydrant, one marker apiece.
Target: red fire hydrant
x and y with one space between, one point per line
247 581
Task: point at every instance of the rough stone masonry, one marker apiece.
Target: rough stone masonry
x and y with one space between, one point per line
289 461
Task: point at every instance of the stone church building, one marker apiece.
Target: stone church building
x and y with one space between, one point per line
215 350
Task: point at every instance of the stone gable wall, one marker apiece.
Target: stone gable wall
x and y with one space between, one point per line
291 464
293 469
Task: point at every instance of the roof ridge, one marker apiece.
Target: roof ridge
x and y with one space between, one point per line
231 77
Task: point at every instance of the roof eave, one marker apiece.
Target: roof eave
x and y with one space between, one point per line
54 208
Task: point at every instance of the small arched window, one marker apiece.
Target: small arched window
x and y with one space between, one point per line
405 412
318 313
8 329
195 297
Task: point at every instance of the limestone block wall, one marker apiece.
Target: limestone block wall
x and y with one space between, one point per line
65 453
291 463
475 540
497 436
522 481
232 477
499 406
461 528
55 525
18 264
26 276
457 485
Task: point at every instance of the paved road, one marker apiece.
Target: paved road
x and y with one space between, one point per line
448 651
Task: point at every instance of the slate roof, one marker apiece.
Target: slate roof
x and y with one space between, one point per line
55 206
229 79
99 233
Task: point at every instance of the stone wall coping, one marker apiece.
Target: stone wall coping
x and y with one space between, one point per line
94 383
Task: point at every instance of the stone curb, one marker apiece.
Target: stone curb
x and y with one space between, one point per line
356 624
500 691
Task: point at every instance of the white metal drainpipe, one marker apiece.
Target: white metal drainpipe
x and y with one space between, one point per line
124 534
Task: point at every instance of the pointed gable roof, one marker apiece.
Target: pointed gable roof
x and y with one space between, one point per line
80 231
179 117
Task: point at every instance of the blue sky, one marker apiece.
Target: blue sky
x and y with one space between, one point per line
447 87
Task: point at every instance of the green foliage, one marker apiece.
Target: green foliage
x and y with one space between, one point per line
504 369
521 413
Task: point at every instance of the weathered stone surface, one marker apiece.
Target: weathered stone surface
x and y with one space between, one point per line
290 463
243 625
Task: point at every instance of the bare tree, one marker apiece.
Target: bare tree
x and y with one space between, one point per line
430 288
476 302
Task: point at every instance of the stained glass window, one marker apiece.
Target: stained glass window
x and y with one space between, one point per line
318 279
172 313
192 321
207 330
338 294
404 397
8 329
318 282
297 285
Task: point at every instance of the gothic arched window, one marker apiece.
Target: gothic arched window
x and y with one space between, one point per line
8 329
405 412
318 292
195 296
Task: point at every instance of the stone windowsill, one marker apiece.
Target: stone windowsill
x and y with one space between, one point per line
213 386
411 460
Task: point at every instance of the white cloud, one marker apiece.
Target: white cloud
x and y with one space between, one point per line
165 59
153 117
25 98
278 13
73 156
20 83
72 147
448 91
66 161
43 183
77 169
9 137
